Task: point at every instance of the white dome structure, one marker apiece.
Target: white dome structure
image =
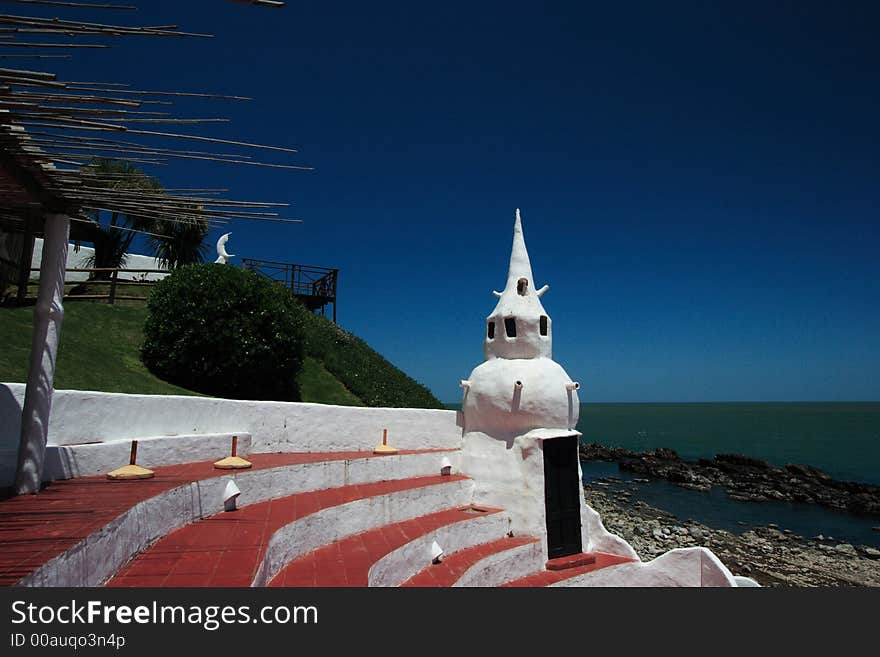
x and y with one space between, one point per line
519 413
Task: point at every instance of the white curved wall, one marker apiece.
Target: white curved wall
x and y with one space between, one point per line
80 416
688 567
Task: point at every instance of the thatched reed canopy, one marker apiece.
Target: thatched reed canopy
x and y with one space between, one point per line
51 128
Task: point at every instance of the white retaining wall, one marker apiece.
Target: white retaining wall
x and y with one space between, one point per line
68 461
82 417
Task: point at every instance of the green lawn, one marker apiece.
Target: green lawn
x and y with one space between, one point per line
100 347
98 351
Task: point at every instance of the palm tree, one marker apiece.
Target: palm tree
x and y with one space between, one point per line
112 239
180 241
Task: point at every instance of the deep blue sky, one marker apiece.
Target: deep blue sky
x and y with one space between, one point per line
699 182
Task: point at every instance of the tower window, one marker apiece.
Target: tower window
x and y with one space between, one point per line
543 324
522 286
510 327
490 332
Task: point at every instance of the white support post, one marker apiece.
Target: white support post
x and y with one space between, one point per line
48 314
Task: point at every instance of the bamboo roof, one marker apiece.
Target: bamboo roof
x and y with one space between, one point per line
51 128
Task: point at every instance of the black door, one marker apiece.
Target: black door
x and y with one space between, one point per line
562 496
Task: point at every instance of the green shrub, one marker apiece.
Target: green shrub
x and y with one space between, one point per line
221 331
368 375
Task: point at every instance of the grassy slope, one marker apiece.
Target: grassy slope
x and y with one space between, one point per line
98 351
363 371
100 343
316 384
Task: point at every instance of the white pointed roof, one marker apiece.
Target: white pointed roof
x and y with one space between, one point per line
520 265
520 302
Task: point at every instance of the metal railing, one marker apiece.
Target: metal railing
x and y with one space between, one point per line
314 286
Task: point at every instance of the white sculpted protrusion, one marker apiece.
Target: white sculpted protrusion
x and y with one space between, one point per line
222 256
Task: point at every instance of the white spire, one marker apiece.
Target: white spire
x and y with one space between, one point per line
519 325
520 266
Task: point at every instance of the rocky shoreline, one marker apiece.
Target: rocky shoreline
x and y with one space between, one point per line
745 478
766 554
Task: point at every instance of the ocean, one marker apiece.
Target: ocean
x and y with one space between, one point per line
843 439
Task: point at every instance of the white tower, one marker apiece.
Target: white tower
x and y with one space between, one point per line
519 412
519 387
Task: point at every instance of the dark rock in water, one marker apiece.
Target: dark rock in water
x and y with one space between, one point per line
664 453
690 486
745 478
864 504
739 459
596 452
806 471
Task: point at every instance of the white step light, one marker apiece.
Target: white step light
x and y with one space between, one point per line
445 466
436 552
230 494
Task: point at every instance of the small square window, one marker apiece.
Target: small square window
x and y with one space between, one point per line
510 327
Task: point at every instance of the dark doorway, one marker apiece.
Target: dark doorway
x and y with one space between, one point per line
562 496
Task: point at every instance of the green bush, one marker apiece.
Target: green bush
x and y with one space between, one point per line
368 375
221 331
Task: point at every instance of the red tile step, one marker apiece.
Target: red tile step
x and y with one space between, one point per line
448 571
225 550
347 562
37 528
548 577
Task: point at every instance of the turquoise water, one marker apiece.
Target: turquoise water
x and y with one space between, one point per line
842 439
